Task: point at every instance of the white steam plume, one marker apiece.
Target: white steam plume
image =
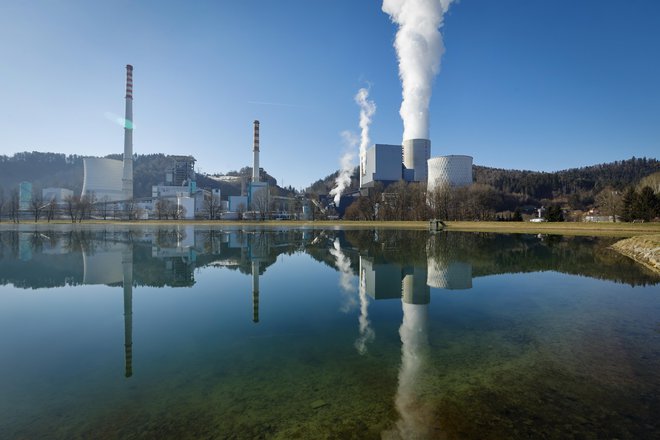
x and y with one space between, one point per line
419 48
367 110
367 334
343 180
345 278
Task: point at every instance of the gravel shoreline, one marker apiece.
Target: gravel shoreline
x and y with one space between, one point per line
644 249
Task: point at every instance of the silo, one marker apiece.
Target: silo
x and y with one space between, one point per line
416 153
453 170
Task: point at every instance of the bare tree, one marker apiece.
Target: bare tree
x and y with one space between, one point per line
50 210
131 209
212 206
36 205
2 202
261 203
14 205
610 202
71 205
103 207
84 207
240 210
162 209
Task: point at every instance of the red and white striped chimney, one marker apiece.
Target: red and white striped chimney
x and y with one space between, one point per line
255 165
127 180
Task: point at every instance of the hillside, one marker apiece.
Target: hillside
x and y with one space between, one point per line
59 170
578 184
539 185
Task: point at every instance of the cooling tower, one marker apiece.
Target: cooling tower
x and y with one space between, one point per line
103 179
454 170
416 153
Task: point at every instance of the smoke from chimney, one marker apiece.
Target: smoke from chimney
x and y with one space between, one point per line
419 48
367 110
343 180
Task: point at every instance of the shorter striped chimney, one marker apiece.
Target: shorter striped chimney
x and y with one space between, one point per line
255 165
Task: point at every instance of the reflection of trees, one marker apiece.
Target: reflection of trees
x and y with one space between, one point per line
56 260
490 253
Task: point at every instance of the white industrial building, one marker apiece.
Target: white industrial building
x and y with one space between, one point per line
57 195
412 162
383 164
453 170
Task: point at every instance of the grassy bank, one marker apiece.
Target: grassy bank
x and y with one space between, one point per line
566 228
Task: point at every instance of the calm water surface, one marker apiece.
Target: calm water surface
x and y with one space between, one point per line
198 332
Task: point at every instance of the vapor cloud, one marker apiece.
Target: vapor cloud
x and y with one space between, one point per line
367 110
419 48
346 163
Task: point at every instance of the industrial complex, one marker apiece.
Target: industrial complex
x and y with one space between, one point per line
110 182
412 162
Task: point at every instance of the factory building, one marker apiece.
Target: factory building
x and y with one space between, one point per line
57 195
412 162
383 164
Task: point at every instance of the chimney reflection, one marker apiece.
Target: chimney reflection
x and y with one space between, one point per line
127 266
255 291
257 249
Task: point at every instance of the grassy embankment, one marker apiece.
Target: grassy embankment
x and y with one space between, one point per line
564 228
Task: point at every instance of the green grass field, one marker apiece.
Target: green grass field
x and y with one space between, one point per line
564 228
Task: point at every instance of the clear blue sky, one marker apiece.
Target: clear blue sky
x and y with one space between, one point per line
531 84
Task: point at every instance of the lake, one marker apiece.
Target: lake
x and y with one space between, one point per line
208 332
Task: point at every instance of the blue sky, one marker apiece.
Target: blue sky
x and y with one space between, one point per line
527 84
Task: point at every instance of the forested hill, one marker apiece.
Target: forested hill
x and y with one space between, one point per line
59 170
45 170
546 185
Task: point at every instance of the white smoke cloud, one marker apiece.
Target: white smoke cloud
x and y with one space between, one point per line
419 48
367 110
346 163
367 334
343 265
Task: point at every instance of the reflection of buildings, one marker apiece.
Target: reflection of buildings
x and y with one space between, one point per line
446 268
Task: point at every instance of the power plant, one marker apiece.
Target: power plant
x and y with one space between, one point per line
111 180
383 164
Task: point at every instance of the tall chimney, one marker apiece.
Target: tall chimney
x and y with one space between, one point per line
127 180
255 165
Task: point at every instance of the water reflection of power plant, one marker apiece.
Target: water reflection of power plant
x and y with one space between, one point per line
383 279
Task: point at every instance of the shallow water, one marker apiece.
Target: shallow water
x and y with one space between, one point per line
111 332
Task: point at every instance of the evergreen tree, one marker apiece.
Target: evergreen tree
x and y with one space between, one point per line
647 204
517 215
629 204
554 214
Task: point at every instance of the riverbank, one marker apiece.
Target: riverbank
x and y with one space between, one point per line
644 249
622 230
